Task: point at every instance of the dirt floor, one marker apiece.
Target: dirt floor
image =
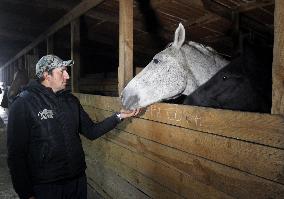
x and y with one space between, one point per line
6 189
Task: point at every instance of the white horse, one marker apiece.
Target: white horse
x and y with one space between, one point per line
179 69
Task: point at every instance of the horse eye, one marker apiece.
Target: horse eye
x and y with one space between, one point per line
225 77
156 61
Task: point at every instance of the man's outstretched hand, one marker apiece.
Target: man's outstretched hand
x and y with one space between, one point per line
128 113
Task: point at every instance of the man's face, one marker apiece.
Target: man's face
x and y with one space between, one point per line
58 79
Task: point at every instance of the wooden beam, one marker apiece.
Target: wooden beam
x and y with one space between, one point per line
245 22
16 35
278 60
125 69
75 54
80 9
51 4
254 5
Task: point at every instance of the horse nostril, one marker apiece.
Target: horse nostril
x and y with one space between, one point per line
131 101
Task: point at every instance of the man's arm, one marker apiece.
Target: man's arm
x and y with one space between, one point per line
17 143
93 130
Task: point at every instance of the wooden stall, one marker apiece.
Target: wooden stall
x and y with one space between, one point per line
175 151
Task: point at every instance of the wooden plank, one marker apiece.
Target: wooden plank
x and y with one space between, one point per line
173 180
245 22
102 88
248 157
79 10
226 179
278 60
93 190
98 80
258 128
31 64
11 73
75 54
148 186
110 182
125 69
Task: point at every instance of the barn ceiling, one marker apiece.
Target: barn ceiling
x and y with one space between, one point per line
214 22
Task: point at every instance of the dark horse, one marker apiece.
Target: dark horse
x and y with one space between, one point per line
245 84
20 79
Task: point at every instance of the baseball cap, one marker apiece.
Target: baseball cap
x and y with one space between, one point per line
49 62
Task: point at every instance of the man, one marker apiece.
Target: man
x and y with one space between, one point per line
45 154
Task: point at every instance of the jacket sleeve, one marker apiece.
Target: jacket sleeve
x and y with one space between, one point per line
93 130
17 144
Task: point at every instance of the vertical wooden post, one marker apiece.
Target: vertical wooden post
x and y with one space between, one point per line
20 63
278 60
5 76
2 72
11 76
75 54
125 69
14 67
26 65
34 61
49 45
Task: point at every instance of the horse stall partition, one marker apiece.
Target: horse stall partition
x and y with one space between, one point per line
177 151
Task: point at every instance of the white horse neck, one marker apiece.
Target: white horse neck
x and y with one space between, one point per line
202 61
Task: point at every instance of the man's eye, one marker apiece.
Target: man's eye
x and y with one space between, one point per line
156 61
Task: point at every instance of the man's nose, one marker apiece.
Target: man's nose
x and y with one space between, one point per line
66 75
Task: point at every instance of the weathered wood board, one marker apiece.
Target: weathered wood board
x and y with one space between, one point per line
187 152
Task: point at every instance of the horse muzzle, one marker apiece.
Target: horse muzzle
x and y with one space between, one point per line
129 102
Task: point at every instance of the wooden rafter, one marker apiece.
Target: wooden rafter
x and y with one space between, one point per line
80 9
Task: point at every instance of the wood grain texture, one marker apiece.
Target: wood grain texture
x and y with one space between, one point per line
278 60
248 157
173 180
226 179
264 129
227 159
125 69
75 54
99 175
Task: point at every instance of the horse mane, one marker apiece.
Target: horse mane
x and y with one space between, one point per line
205 50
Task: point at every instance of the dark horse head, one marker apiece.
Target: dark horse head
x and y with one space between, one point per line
244 84
20 80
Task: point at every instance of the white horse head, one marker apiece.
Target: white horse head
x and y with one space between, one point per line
179 69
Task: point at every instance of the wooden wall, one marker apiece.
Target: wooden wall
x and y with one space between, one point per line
176 151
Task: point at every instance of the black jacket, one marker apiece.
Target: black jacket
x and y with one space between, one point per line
43 137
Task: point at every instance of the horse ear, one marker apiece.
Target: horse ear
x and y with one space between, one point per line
179 36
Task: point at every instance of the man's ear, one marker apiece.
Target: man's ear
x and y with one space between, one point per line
45 75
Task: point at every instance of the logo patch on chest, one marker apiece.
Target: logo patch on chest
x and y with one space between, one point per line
45 114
